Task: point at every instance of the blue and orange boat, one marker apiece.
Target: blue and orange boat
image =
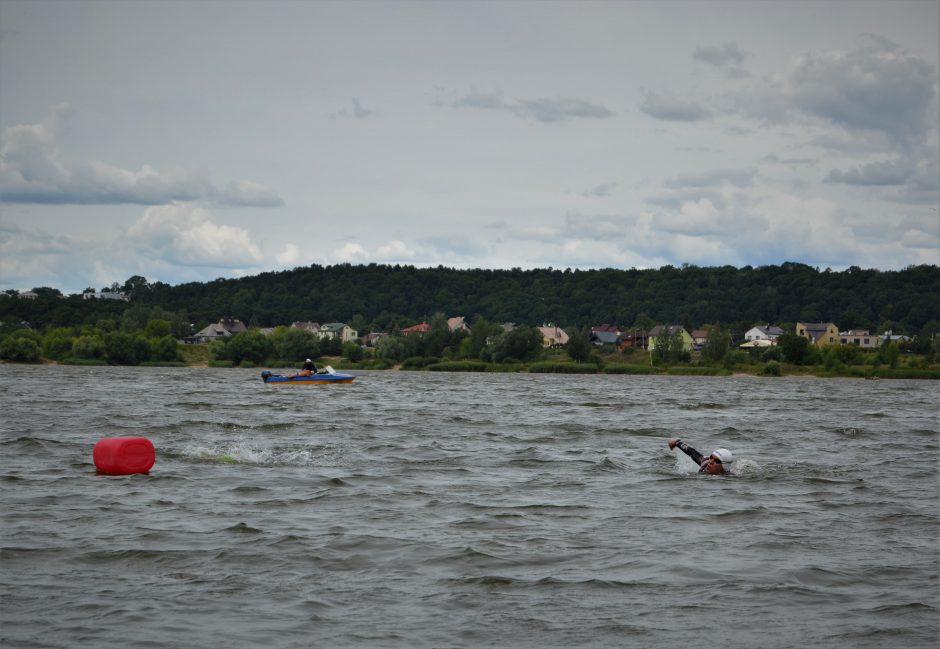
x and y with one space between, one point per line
324 377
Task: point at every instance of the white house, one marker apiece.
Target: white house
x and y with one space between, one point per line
860 338
765 332
338 329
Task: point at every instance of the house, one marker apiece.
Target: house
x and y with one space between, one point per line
636 338
105 295
818 333
312 327
859 338
27 295
421 328
457 324
370 339
601 338
338 330
679 330
225 328
891 337
764 332
606 328
553 336
699 336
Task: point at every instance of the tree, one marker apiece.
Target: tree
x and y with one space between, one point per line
164 349
353 351
249 345
123 348
716 344
522 344
89 347
291 343
57 343
795 348
579 344
19 349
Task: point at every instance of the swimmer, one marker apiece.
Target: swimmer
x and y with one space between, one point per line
715 464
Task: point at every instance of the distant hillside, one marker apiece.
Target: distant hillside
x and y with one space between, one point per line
384 297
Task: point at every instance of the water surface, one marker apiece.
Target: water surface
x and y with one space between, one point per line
467 510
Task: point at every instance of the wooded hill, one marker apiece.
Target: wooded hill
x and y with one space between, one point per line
386 298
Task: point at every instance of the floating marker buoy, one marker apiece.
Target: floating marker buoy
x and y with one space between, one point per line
124 455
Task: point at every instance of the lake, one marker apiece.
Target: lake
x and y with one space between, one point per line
468 510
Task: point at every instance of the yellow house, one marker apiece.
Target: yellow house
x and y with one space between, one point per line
658 330
553 336
818 333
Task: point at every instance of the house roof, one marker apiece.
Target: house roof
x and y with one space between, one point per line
422 327
605 328
606 337
659 329
456 323
555 334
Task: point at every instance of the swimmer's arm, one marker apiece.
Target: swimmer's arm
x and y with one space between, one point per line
697 457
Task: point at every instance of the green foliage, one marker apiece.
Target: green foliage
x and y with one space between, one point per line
88 347
579 344
772 368
123 348
353 351
57 343
20 349
249 345
157 328
294 343
716 344
164 349
563 368
521 344
459 366
624 368
796 349
391 348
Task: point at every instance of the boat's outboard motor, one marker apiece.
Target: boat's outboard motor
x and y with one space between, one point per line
265 374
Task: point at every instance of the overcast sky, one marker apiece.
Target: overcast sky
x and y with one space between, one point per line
185 141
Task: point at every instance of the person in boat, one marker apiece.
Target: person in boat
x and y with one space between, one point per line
715 464
308 369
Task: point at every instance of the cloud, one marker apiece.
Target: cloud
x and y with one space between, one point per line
893 172
33 170
358 111
727 57
672 109
289 256
713 178
184 234
599 191
877 91
541 110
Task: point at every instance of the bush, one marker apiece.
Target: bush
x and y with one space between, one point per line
772 368
563 368
623 368
458 366
20 349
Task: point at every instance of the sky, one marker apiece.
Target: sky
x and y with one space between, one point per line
186 141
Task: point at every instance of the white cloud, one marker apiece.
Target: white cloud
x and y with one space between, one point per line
289 256
558 109
33 170
351 253
184 234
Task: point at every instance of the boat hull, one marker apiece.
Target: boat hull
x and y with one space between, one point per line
313 379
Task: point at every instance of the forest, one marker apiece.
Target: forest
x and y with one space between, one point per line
387 298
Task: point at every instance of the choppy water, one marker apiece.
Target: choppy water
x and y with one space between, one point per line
467 510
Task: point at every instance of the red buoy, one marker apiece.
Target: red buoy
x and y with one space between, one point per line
124 455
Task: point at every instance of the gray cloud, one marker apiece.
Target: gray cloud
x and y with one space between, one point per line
727 57
875 173
599 191
33 170
877 87
542 110
672 109
713 178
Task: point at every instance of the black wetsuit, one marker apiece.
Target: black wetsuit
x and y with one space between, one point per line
697 457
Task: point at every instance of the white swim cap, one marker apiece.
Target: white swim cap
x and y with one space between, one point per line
309 361
724 455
